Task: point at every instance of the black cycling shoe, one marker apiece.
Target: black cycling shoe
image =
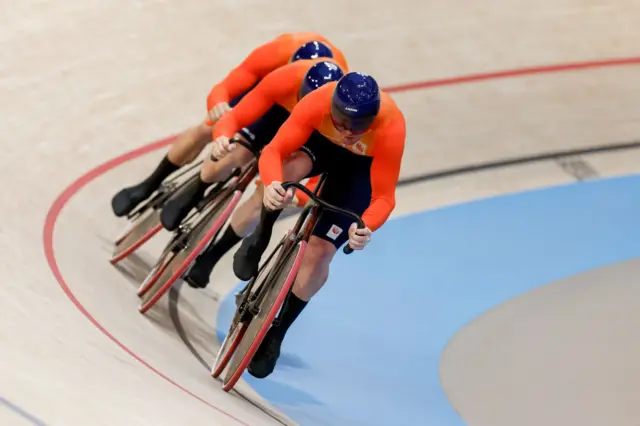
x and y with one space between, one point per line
265 359
180 204
247 259
198 275
128 199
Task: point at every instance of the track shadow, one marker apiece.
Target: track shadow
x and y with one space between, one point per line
134 267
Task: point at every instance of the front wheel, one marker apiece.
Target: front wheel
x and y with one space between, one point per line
205 230
228 348
278 286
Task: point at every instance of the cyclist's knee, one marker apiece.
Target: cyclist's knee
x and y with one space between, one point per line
240 156
253 205
296 166
205 130
319 254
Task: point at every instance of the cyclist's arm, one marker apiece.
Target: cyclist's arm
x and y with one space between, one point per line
304 118
260 61
256 103
385 171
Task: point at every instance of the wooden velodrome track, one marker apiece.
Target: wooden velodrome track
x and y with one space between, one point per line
86 82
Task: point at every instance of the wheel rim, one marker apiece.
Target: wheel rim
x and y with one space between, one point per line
143 229
155 273
228 348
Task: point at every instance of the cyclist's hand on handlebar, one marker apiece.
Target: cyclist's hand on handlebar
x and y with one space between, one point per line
275 197
358 238
221 147
218 111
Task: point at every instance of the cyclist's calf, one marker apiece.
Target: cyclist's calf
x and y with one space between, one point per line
314 269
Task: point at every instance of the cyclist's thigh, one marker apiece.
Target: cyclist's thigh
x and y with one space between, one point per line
262 131
323 153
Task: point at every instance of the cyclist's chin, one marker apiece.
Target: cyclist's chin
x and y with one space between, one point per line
350 140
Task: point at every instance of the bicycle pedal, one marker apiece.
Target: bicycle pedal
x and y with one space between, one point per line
167 186
184 229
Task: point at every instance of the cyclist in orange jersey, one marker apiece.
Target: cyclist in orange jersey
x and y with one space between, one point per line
256 119
224 95
356 134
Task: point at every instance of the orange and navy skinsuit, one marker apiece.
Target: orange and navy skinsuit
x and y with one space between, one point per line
262 61
384 142
281 88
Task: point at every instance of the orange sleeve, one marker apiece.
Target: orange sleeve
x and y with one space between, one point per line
304 118
258 64
256 103
385 171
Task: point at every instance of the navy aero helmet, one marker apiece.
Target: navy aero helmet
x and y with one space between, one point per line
318 75
355 103
312 50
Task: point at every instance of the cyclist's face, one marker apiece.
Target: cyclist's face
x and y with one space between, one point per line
348 137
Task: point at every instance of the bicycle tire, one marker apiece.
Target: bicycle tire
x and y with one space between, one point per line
228 348
280 285
144 228
205 230
158 269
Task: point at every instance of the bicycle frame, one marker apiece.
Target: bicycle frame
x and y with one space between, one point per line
301 231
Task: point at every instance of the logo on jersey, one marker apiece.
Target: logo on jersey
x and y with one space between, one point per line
334 232
359 148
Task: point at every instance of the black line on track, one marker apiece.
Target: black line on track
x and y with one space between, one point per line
577 167
174 298
516 161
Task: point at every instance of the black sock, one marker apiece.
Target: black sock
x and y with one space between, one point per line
265 227
215 251
291 308
164 169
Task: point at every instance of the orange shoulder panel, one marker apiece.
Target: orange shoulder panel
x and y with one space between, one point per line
304 118
282 83
260 62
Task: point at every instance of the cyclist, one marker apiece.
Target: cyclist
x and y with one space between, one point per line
355 133
224 95
256 119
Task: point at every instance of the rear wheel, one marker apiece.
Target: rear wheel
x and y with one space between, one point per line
206 227
279 282
145 219
164 260
143 228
